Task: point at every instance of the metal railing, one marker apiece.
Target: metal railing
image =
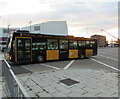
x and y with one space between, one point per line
13 86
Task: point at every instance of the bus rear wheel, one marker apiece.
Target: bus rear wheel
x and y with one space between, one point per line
82 56
40 58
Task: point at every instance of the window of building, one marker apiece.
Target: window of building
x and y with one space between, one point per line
4 38
73 44
52 44
5 30
0 38
36 28
63 44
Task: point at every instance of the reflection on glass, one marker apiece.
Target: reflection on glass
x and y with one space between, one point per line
52 44
63 44
73 45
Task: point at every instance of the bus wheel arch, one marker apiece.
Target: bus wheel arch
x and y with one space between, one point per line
82 55
40 58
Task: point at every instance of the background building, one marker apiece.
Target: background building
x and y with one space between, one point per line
101 40
3 36
50 27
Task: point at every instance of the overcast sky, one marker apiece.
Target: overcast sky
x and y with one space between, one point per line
84 18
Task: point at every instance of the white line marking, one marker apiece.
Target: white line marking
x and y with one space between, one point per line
109 57
69 64
50 66
109 54
105 64
27 68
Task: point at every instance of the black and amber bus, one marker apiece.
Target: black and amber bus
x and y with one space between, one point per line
23 46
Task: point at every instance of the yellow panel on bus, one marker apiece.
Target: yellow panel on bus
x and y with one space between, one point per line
52 54
73 53
89 52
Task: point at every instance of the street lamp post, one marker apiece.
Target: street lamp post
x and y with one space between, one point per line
8 28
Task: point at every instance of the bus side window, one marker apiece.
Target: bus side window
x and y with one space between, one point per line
33 46
42 45
81 43
63 44
39 46
14 46
52 44
20 44
92 43
73 44
27 45
87 43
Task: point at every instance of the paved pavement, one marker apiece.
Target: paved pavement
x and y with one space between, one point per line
95 77
91 83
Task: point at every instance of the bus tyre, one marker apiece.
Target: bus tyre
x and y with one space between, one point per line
40 58
82 56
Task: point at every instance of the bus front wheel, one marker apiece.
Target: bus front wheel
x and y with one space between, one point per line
40 58
82 56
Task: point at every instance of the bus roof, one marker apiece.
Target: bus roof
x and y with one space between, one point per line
24 33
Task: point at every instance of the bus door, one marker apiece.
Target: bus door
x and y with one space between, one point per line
63 46
23 49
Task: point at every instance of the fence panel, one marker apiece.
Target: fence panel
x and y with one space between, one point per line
13 86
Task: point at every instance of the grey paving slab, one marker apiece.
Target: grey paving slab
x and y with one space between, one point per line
29 83
2 88
77 90
87 94
63 90
92 91
4 93
50 89
58 94
44 94
31 94
36 89
0 94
